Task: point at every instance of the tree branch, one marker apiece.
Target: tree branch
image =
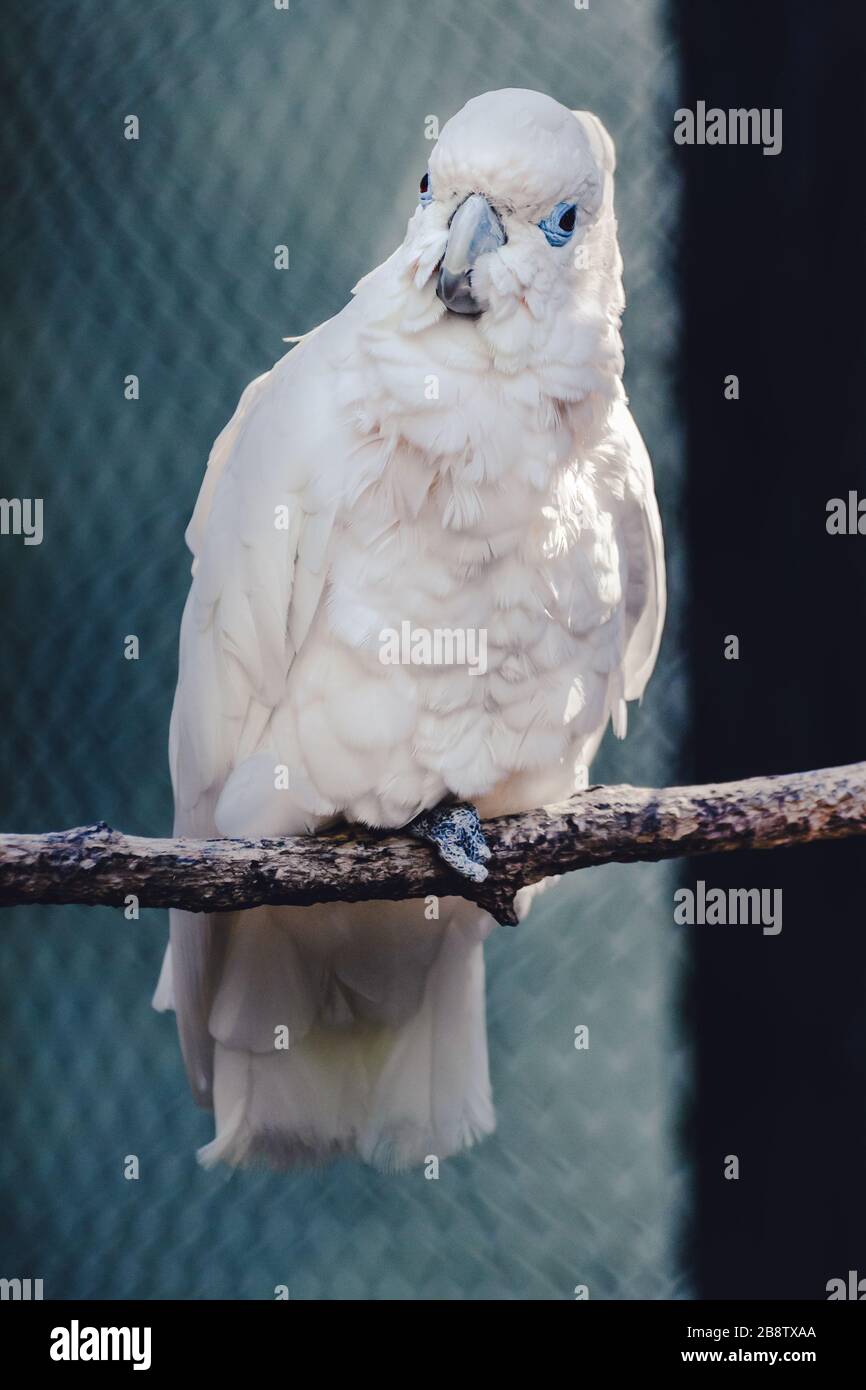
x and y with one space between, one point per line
97 865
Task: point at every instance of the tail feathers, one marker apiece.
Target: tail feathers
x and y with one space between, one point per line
433 1097
395 1091
272 977
163 995
289 1109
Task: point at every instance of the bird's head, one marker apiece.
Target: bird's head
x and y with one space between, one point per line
517 199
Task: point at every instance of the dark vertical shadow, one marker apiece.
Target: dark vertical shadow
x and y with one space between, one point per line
773 262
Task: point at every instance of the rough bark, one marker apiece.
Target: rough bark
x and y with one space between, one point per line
97 865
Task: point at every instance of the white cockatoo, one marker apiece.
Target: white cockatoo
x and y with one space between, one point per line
451 454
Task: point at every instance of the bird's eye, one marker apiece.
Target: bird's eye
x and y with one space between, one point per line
426 196
559 224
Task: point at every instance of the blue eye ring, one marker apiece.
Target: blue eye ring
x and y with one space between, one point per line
425 197
558 226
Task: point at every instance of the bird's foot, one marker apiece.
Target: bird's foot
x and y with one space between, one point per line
455 832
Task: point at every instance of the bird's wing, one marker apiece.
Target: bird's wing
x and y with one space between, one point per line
259 536
642 560
610 581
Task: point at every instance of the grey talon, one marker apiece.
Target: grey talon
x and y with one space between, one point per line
456 833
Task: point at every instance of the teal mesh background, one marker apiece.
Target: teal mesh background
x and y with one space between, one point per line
155 257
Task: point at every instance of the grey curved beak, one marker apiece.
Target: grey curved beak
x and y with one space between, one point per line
474 230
